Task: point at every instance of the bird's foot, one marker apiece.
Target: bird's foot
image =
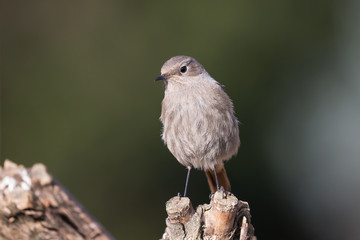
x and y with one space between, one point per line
211 195
224 192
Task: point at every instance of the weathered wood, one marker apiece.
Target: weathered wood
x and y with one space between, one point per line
224 218
34 206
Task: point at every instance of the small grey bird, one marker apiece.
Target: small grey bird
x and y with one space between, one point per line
199 126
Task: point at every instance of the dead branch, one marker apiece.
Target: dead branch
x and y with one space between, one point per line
224 218
34 206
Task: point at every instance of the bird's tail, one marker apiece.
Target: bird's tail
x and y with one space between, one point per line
221 176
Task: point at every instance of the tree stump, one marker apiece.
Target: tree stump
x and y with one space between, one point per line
34 206
224 218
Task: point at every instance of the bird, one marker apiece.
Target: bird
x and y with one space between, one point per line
199 124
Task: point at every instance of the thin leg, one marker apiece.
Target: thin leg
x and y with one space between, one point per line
216 179
187 181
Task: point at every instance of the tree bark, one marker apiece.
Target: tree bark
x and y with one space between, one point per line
34 206
224 218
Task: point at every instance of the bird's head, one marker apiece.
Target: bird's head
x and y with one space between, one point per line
182 70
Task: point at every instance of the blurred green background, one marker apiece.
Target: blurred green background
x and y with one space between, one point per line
77 94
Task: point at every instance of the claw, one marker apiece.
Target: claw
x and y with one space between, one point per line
211 195
224 192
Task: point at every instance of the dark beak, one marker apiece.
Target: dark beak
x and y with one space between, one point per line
162 77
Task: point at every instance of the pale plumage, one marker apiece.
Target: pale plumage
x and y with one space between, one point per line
199 126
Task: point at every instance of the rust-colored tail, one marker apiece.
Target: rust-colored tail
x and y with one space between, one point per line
221 176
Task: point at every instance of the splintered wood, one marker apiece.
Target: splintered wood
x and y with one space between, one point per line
224 218
34 206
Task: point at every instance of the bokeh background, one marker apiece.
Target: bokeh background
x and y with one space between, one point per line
77 94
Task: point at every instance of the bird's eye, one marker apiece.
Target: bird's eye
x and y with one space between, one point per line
183 69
